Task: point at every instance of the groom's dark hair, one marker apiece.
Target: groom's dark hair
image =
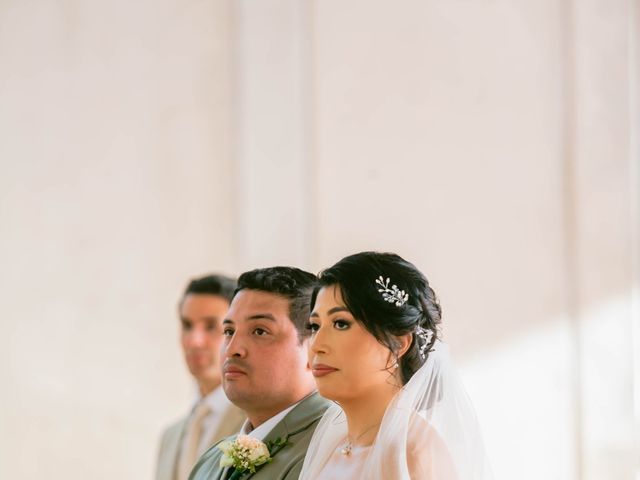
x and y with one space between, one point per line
292 283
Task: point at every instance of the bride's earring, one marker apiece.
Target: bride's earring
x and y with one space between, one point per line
394 366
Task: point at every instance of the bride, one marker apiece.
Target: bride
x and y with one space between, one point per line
401 412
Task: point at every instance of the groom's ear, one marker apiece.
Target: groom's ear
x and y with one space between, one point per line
404 342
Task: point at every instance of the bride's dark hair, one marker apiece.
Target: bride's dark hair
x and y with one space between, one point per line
356 277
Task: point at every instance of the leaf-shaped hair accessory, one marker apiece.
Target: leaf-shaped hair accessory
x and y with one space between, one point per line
393 294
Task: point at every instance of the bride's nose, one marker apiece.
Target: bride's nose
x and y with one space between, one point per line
318 343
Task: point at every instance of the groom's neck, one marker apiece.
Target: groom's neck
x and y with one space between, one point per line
260 414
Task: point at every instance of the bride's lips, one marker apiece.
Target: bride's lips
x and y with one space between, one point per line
320 370
231 371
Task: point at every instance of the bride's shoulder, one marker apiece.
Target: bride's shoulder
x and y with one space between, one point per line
331 428
427 454
422 434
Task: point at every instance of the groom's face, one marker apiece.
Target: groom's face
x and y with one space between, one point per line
265 365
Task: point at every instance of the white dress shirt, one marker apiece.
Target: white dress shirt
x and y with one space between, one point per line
263 429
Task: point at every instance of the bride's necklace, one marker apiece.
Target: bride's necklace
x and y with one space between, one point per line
346 450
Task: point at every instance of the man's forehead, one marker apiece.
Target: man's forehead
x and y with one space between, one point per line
202 304
203 300
248 302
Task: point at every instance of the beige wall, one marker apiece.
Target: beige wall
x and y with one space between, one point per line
450 119
114 151
492 143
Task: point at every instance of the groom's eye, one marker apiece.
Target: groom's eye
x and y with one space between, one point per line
260 332
227 332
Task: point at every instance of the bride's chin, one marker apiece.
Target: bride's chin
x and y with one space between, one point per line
333 394
328 393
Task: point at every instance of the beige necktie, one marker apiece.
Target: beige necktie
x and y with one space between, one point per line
194 434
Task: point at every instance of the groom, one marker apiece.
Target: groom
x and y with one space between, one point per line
265 372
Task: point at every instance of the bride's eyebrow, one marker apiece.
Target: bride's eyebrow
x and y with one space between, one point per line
338 309
331 312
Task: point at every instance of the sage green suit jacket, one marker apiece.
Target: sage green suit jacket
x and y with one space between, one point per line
296 427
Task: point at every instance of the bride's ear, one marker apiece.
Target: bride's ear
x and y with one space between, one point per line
404 342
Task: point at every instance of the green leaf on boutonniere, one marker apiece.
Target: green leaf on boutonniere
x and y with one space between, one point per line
277 444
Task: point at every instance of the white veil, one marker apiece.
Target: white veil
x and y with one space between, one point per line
429 431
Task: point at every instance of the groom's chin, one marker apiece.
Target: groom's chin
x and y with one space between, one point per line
235 392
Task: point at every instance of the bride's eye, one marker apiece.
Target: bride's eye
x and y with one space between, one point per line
341 324
312 327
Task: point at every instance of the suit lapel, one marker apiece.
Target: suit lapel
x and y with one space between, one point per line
173 447
304 414
225 473
212 458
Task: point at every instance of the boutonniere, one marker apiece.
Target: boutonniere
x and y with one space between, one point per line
246 453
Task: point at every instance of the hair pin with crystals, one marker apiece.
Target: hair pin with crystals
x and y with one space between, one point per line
426 335
393 294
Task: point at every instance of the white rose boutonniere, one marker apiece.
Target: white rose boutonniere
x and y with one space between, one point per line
244 454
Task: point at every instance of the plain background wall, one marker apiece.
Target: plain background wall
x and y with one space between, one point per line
115 153
493 143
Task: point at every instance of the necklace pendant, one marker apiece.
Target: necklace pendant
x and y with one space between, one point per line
346 450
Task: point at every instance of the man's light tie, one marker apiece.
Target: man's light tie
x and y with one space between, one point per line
194 436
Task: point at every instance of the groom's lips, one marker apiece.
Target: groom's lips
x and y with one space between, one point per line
320 370
231 371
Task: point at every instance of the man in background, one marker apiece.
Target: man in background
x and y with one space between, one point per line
202 309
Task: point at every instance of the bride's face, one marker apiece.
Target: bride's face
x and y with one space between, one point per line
346 360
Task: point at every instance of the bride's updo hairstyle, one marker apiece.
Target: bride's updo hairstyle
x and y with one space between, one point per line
387 317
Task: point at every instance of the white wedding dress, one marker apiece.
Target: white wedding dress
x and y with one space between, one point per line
341 466
429 432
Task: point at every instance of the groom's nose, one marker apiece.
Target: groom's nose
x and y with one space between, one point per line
235 346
